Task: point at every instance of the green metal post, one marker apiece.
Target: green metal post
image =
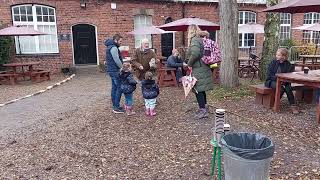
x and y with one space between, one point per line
213 161
219 163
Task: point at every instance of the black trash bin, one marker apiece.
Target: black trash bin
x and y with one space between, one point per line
247 156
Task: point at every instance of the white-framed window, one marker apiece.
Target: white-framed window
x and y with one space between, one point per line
285 26
40 18
311 36
142 21
247 40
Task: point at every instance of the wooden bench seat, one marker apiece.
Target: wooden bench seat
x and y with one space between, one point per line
303 93
40 75
167 77
265 96
8 78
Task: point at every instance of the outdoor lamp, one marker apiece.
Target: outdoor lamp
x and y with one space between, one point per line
83 3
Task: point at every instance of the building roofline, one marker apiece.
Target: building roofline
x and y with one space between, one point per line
215 1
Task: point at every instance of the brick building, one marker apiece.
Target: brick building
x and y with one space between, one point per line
78 28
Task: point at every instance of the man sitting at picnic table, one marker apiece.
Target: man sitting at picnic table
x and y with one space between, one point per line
144 59
175 61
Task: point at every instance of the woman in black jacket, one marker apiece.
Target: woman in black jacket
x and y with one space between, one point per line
281 65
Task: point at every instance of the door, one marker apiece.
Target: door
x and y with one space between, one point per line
167 41
213 35
84 44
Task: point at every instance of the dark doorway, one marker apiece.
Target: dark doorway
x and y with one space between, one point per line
167 41
213 35
84 44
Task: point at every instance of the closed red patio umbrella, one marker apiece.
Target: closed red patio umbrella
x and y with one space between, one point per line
296 6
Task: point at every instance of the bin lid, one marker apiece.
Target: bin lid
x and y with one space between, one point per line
249 145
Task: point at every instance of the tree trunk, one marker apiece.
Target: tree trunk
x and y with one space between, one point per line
271 43
229 42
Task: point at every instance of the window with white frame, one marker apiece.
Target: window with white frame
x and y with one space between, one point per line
40 18
142 21
285 26
311 36
247 40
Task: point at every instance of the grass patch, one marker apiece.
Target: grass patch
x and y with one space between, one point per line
243 90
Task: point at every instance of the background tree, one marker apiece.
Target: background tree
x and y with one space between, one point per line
271 43
6 44
229 42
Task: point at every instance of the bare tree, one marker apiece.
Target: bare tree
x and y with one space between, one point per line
271 43
229 42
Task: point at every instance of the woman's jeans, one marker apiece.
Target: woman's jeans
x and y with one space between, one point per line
115 90
129 99
286 88
201 99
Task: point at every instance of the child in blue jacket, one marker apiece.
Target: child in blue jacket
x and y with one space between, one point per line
150 92
127 87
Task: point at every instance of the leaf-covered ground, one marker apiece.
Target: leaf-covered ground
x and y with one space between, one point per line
93 143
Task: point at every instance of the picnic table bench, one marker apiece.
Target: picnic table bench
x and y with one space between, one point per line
266 96
40 75
7 77
35 75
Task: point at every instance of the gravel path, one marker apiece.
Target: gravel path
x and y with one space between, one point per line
86 88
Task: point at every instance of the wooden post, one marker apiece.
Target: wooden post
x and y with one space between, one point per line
277 98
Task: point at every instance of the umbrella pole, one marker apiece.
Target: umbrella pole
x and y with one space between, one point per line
19 44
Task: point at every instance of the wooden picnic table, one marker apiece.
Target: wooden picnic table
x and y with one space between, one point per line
310 66
311 79
15 66
313 58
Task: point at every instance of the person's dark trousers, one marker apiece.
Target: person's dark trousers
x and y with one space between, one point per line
201 99
178 74
285 89
115 90
317 96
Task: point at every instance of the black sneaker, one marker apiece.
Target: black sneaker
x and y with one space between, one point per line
118 111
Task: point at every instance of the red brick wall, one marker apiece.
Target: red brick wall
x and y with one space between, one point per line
109 22
297 20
